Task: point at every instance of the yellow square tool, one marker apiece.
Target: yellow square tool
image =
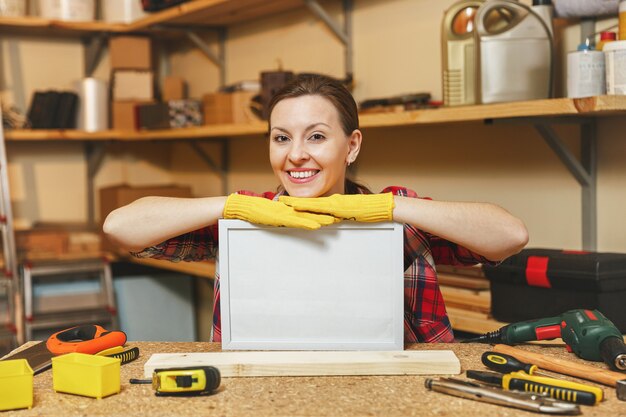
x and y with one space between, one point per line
87 375
16 384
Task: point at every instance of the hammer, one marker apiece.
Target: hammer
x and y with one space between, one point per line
591 373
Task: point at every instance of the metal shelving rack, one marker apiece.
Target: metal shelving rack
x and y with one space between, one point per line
98 308
10 292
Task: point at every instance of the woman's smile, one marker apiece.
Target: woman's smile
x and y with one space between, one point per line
300 176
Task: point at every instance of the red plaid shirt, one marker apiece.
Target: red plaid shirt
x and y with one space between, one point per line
425 317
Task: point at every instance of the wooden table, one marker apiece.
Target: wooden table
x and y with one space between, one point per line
292 396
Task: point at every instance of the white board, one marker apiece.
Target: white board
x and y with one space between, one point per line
336 288
242 364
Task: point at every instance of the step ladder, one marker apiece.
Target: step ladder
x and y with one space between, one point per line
57 312
11 329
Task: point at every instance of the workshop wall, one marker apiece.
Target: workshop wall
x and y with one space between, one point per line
396 50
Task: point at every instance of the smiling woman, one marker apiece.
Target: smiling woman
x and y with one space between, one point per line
313 137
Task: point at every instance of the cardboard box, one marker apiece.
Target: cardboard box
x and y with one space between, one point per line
185 113
130 52
124 115
174 88
153 116
42 242
132 85
228 108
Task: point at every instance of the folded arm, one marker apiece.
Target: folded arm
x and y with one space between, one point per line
152 220
483 228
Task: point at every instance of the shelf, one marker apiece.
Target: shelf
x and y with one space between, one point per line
198 14
560 107
215 13
213 131
41 26
591 106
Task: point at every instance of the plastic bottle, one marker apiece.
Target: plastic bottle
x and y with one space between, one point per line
604 38
615 57
585 72
622 20
545 9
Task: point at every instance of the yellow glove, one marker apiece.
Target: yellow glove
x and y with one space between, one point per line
359 207
273 213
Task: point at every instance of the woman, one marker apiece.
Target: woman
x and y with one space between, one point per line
313 137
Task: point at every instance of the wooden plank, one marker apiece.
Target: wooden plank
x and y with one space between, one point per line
32 25
467 299
312 363
201 132
472 321
475 271
591 106
215 12
462 281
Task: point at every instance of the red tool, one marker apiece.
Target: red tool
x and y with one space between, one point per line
89 339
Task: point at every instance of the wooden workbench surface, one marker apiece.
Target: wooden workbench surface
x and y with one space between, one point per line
292 396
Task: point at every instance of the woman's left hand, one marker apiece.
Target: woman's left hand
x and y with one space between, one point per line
358 207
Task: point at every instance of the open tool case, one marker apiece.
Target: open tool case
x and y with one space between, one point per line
546 282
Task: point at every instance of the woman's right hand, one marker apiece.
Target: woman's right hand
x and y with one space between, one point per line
272 213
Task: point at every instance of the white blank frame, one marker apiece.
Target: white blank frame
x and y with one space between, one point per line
336 288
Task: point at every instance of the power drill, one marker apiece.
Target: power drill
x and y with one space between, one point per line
587 333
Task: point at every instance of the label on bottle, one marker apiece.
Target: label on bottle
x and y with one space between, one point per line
585 74
616 72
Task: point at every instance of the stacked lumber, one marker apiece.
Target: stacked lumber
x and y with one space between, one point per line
58 242
468 298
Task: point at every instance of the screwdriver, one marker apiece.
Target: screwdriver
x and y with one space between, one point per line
555 388
506 364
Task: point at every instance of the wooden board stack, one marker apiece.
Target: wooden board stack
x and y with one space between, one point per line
468 299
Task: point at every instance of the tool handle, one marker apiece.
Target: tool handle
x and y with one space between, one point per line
556 388
591 373
563 394
525 331
89 339
506 363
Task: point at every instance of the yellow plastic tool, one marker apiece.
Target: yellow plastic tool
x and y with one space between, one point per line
199 380
544 384
16 384
87 375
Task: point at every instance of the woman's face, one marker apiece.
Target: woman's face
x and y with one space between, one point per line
309 150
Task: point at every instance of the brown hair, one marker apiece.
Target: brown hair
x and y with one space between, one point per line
330 89
338 95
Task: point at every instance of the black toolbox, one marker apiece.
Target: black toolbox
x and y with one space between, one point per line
539 283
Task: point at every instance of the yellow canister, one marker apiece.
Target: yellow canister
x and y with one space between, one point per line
622 20
87 375
16 384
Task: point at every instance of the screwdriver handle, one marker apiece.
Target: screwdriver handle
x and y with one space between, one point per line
505 364
555 388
